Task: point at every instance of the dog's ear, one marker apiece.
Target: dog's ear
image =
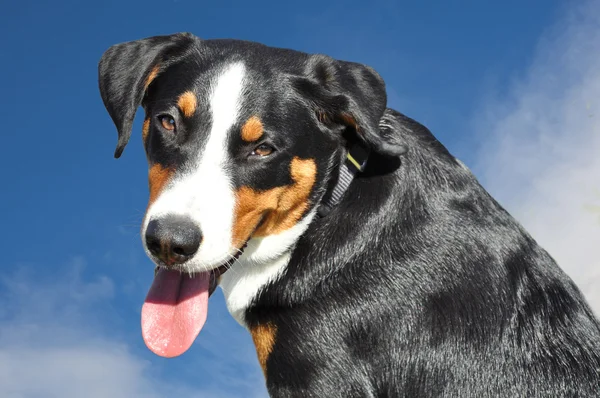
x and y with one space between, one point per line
348 94
127 69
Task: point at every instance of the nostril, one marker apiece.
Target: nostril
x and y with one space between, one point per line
179 251
185 238
153 246
186 242
152 237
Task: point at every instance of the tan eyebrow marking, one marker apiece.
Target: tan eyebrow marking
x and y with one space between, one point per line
187 102
252 130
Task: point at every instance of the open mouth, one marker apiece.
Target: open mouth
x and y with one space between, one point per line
176 307
216 273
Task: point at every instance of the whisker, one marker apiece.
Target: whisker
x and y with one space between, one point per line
234 260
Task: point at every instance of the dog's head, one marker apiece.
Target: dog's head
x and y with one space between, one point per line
240 138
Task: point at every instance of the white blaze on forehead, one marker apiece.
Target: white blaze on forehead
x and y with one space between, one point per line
204 192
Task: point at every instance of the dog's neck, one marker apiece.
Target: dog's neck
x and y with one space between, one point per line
319 246
388 195
263 261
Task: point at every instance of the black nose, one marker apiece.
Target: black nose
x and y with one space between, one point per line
173 239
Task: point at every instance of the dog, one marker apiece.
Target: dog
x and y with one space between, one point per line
364 259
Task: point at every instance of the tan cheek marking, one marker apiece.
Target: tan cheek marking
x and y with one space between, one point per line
263 336
279 208
187 102
145 129
294 199
250 207
152 76
158 177
252 130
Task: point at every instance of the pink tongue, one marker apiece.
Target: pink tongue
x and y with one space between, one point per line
174 312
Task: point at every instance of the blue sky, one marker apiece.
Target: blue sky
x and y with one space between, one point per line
510 89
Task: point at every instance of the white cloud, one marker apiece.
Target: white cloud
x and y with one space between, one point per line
82 369
542 159
57 340
48 346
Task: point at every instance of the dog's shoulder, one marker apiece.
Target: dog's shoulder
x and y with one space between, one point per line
427 282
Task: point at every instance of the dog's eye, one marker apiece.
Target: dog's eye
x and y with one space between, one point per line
167 122
263 150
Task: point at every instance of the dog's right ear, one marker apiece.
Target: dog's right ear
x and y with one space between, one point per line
348 94
127 69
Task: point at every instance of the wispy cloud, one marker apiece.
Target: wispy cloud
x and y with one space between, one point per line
541 146
57 340
48 346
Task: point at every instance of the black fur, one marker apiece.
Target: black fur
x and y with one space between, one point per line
124 69
419 284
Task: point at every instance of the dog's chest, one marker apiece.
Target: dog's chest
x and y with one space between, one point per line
242 283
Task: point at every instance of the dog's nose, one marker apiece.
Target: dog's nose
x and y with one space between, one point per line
173 239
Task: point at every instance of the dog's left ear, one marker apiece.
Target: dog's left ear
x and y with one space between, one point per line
348 94
127 69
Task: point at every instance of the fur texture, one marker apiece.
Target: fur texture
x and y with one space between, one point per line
418 284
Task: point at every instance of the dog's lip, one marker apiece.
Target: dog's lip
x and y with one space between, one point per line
215 273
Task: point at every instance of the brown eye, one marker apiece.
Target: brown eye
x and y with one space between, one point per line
263 150
167 122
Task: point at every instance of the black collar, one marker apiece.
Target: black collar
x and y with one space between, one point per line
355 162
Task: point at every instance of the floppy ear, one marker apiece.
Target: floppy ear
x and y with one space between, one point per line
348 94
127 69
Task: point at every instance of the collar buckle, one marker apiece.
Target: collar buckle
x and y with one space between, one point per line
357 157
355 162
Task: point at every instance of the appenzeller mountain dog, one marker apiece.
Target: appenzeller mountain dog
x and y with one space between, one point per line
364 259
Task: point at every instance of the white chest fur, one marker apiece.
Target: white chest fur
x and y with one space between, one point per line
242 283
263 261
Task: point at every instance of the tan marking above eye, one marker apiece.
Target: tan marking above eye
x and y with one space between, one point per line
187 102
252 130
278 208
263 336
